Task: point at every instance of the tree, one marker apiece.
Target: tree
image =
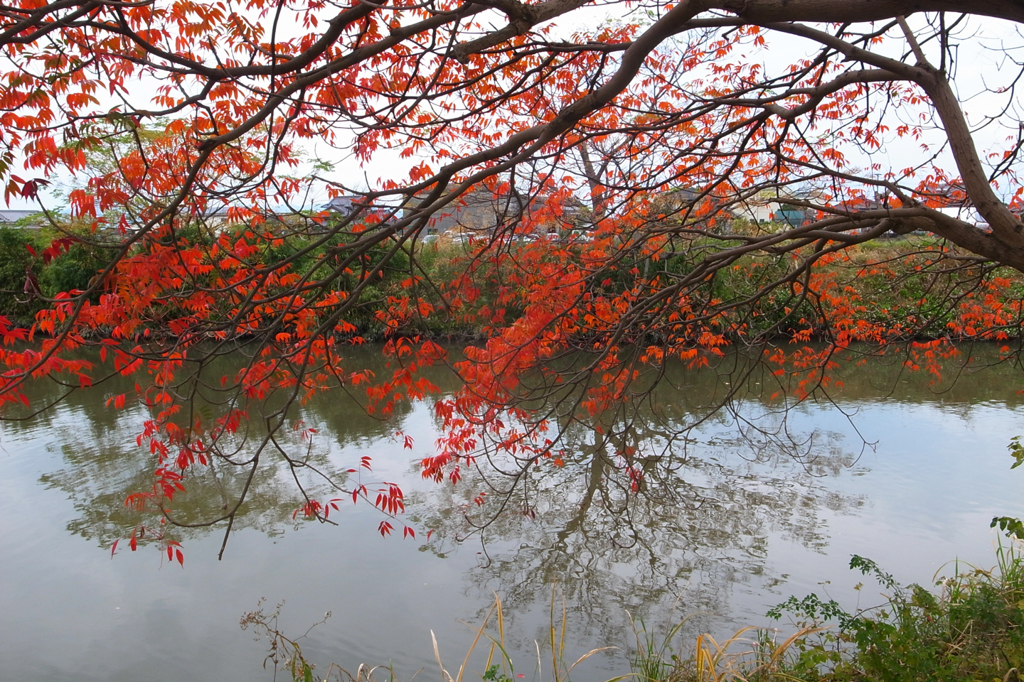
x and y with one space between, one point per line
669 125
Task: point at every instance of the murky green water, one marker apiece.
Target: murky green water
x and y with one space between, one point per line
742 512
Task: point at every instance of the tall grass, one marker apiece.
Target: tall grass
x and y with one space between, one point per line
286 655
655 656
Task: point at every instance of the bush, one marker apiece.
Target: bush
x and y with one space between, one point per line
971 630
73 270
19 275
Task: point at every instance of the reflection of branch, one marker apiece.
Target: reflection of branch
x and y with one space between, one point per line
231 518
572 536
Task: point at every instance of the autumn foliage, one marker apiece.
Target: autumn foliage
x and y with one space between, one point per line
633 173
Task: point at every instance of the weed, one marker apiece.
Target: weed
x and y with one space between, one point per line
286 653
972 629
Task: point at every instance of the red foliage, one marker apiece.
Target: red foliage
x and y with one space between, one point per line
614 168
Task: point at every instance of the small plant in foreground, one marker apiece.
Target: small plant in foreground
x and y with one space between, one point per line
970 628
286 653
750 655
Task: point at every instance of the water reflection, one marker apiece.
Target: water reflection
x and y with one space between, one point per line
702 520
105 462
710 482
719 497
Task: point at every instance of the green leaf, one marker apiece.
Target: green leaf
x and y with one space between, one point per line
1017 450
1009 525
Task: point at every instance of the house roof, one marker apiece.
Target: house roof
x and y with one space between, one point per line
10 216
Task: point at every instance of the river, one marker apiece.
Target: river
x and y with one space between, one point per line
893 467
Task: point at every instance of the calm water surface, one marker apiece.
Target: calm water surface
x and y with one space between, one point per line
736 517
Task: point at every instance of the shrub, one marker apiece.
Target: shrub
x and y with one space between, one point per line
19 275
971 630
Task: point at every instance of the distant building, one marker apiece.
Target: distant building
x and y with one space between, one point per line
342 204
481 212
347 205
788 209
794 216
759 208
678 202
27 220
478 211
692 207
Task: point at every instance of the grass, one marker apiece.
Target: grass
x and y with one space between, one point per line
654 657
967 626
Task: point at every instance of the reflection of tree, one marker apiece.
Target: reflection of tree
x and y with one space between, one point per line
654 415
100 473
867 373
249 480
718 473
104 463
702 508
700 520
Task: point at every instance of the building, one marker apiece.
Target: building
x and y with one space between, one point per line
26 220
481 212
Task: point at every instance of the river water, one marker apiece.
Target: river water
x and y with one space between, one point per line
734 517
